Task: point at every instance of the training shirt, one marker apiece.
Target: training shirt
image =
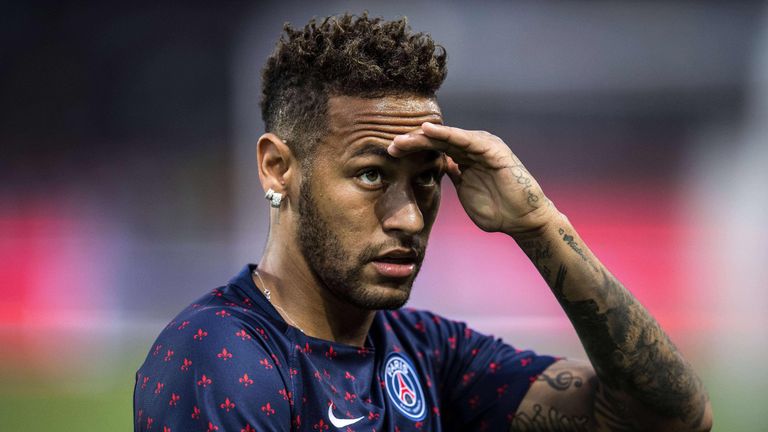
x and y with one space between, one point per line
229 362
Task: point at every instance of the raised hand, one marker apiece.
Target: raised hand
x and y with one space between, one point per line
495 189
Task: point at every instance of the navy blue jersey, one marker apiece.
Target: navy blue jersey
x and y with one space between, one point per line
229 362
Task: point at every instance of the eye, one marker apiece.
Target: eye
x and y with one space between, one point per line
370 177
429 178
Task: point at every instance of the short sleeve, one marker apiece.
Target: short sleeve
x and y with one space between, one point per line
212 371
483 379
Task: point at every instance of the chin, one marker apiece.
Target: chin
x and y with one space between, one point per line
388 296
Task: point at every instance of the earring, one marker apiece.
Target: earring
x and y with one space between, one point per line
275 198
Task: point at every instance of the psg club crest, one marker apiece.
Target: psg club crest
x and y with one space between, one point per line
403 387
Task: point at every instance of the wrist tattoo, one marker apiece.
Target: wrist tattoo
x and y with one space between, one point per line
569 240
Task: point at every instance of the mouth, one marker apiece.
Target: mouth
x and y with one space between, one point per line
396 263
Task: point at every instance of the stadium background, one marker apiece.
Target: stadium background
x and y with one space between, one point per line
128 184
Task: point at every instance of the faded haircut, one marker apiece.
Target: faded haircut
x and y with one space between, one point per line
342 55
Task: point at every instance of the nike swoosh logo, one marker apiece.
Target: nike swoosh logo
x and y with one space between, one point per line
340 423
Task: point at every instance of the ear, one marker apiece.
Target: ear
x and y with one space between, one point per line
277 164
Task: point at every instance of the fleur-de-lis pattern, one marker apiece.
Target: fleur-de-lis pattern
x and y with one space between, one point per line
229 362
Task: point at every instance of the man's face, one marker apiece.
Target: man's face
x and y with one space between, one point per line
364 216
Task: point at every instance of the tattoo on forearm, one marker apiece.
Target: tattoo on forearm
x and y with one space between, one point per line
569 240
539 253
524 178
562 381
609 412
631 353
551 421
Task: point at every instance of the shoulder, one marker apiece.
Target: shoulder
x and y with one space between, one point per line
429 327
218 326
420 320
465 353
217 357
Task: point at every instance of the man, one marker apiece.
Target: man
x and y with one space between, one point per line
312 338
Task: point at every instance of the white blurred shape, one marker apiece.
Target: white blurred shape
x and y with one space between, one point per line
728 255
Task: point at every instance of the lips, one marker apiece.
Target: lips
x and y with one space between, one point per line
398 263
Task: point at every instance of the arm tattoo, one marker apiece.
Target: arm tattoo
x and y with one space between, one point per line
551 421
562 381
631 353
538 252
609 412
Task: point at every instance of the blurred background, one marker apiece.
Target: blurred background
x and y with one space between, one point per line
128 184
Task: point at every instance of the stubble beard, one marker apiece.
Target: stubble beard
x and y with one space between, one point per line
336 269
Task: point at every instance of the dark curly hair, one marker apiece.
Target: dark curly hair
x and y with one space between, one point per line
342 55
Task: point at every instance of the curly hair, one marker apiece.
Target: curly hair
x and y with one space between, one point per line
342 55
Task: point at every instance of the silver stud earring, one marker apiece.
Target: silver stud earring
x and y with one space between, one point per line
275 198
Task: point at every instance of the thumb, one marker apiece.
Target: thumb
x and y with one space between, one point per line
453 170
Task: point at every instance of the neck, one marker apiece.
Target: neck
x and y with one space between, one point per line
303 298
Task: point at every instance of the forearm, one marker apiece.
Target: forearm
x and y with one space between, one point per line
631 354
632 357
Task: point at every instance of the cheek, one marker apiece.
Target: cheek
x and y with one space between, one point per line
348 209
429 207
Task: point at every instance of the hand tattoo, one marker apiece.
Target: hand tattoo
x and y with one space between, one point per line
523 178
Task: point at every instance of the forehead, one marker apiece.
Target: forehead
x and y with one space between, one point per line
390 104
353 119
345 110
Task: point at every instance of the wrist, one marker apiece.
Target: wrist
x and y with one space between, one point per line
549 220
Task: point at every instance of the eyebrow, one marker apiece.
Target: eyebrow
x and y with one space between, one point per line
371 149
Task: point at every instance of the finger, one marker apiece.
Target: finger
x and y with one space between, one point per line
404 145
456 136
453 171
462 145
416 141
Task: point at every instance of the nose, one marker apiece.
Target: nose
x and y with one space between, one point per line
401 211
